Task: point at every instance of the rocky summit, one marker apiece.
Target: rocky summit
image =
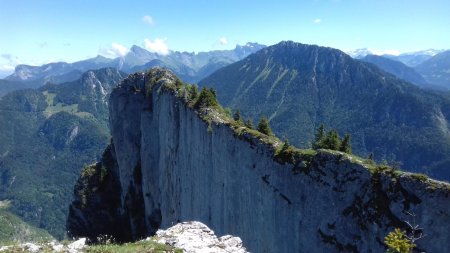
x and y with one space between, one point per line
171 160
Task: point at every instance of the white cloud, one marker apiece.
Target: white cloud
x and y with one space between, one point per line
317 21
116 50
148 20
8 62
7 68
157 45
223 40
119 49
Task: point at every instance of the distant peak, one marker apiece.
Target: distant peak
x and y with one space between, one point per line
100 57
136 49
251 45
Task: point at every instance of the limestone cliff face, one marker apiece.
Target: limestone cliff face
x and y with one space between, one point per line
168 165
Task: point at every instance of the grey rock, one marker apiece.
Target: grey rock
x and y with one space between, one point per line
195 237
172 166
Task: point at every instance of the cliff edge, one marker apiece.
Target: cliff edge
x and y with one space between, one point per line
170 162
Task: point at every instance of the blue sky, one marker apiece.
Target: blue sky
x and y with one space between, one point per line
36 32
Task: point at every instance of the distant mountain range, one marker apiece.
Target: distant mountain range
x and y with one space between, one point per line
397 69
436 70
46 136
298 87
191 67
63 125
427 69
410 59
413 59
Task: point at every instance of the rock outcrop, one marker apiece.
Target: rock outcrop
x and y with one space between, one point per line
194 236
170 163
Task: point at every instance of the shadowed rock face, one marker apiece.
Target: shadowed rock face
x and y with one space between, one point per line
169 165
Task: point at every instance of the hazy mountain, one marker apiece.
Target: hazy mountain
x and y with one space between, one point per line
436 70
46 136
137 56
413 59
57 69
8 85
410 59
14 230
31 77
397 68
191 67
360 53
300 87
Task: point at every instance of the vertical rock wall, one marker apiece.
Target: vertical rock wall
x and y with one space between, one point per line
172 166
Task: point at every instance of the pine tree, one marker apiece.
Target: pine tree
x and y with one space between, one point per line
319 137
264 127
249 123
237 115
193 93
332 140
206 98
285 146
346 146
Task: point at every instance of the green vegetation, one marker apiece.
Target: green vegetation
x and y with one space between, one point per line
331 140
47 136
207 98
15 230
420 177
53 108
193 92
264 127
399 123
146 246
346 146
397 242
92 179
237 115
249 124
283 151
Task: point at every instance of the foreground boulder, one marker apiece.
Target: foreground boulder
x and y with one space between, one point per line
195 237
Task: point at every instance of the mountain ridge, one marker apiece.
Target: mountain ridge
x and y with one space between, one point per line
398 69
298 87
436 70
47 135
410 59
173 161
135 58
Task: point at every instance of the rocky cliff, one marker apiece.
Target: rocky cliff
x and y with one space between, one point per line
169 163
